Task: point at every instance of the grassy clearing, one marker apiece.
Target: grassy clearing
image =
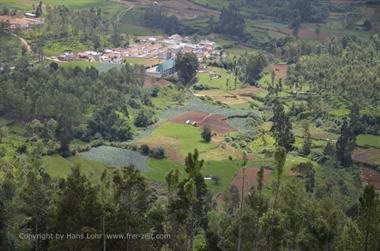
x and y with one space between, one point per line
225 170
240 50
160 168
262 143
371 111
340 112
215 4
81 64
137 30
167 97
188 137
55 48
101 67
18 4
316 133
226 81
368 140
59 167
132 60
132 23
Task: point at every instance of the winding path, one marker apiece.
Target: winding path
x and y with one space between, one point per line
23 41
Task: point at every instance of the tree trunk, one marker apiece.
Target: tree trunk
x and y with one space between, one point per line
241 211
104 235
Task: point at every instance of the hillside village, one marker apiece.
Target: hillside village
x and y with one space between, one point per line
162 50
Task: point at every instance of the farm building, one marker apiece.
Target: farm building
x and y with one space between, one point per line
164 69
30 15
167 68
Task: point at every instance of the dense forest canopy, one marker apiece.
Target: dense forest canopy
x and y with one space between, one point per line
88 27
347 67
292 11
69 95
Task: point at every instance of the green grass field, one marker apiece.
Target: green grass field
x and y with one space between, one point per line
59 167
160 168
55 48
316 133
101 67
132 60
215 4
340 112
81 64
225 170
368 140
187 137
206 79
240 50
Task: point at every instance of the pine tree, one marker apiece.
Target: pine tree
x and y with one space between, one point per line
345 145
34 205
7 211
132 201
260 179
282 128
351 239
244 163
39 10
306 145
369 217
231 200
78 211
279 159
206 134
174 227
355 119
190 206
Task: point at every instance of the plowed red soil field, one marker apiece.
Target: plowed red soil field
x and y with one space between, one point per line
203 119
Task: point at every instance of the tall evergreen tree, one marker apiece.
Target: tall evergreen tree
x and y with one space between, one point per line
351 239
78 212
345 144
191 206
7 212
279 160
282 127
34 205
306 144
369 218
174 223
132 201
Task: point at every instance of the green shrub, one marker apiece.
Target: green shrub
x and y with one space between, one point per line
144 149
206 134
157 153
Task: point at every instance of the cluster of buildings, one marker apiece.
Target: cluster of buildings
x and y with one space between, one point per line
158 47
